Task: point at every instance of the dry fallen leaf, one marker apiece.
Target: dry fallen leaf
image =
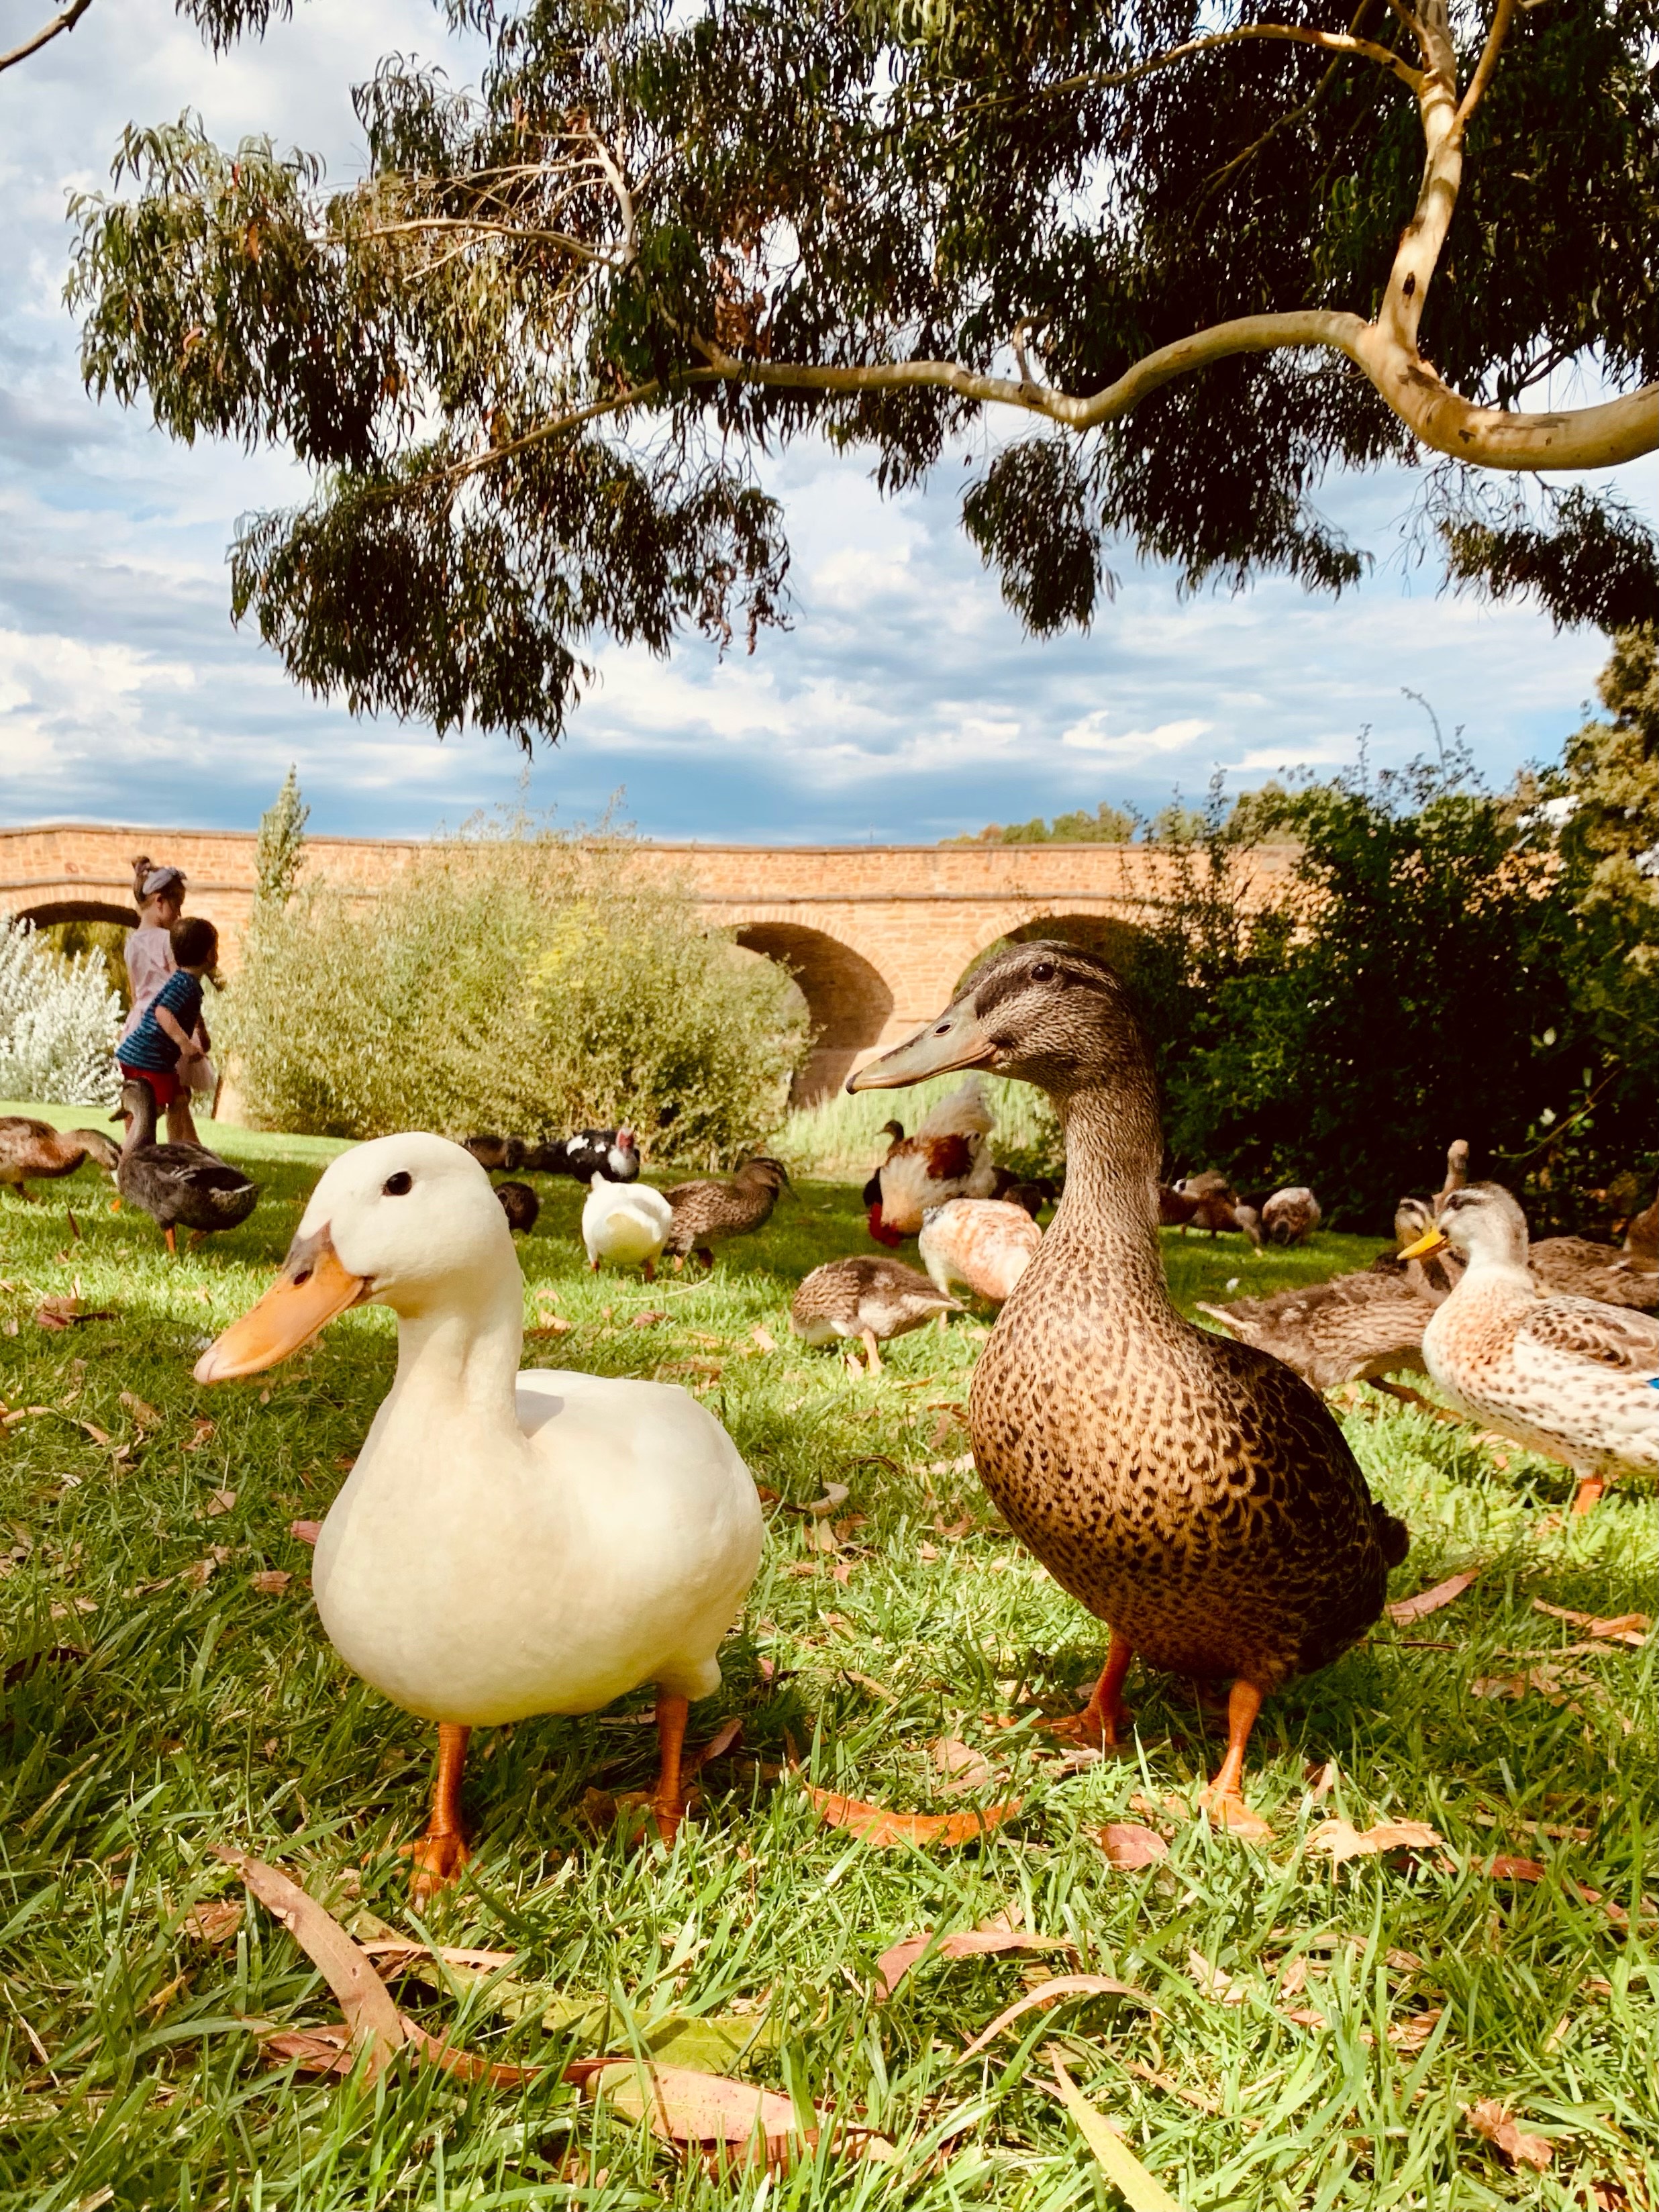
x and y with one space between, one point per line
1127 1843
707 2110
649 1318
896 1963
1493 2121
144 1414
200 1571
1219 1987
1631 1628
271 1582
763 1337
216 1922
558 1326
1430 1600
218 1502
1047 1993
1142 2190
305 1532
875 1825
1342 1840
200 1429
1411 2034
962 1767
836 1495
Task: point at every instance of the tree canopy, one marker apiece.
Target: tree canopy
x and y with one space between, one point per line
539 356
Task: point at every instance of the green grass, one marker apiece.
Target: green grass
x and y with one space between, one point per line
840 1136
169 1711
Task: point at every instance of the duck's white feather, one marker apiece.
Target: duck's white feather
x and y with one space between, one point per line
625 1222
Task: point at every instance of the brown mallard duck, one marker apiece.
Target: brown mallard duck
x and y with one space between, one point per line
1193 1492
34 1152
873 1299
1432 1276
178 1185
708 1212
1579 1268
1570 1377
1354 1328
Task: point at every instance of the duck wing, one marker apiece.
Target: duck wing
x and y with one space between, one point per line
1592 1335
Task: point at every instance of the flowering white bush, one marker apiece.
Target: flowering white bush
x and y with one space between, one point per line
59 1020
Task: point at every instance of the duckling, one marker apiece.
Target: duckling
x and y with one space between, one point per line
506 1544
986 1243
627 1222
1291 1215
706 1212
176 1183
874 1299
520 1204
1574 1379
1193 1492
949 1157
34 1151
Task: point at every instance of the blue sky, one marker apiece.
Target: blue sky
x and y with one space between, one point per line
905 703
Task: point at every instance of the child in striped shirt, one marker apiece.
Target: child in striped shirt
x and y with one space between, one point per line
162 1048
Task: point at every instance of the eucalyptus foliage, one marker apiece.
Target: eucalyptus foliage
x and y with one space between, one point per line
538 358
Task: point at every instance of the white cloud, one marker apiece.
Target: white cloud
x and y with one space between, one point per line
1092 735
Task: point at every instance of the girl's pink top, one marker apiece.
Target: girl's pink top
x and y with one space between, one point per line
149 962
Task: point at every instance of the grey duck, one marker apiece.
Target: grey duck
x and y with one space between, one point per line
33 1151
707 1212
1193 1492
177 1184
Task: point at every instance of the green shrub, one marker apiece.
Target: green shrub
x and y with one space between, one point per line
516 979
840 1140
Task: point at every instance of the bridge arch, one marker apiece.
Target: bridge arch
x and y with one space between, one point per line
56 910
848 999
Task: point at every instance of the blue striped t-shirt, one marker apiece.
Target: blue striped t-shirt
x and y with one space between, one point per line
149 1045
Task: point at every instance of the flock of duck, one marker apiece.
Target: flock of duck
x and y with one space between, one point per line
515 1542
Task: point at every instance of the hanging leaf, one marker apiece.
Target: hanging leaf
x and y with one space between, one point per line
875 1825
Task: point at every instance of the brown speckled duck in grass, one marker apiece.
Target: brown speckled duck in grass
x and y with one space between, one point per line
1570 1377
1193 1494
1354 1328
708 1211
34 1152
873 1299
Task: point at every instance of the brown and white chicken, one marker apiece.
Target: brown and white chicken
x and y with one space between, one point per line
987 1244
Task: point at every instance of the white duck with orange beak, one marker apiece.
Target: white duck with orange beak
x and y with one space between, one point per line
507 1543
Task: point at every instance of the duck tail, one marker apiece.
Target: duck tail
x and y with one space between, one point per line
1392 1535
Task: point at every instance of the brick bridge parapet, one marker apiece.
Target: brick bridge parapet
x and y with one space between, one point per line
878 936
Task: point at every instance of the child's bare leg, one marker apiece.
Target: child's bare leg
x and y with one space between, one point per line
182 1126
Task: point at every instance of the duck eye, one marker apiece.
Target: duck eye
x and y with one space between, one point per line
1043 972
398 1185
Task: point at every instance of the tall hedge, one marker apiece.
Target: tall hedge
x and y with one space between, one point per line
518 981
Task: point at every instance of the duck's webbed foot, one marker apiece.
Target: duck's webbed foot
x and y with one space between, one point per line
1590 1487
437 1858
1225 1800
1105 1714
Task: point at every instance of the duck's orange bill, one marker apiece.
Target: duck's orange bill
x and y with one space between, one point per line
312 1287
1431 1240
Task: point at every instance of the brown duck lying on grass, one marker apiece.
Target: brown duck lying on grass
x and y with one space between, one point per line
1618 1276
708 1212
870 1298
1353 1328
34 1152
1193 1494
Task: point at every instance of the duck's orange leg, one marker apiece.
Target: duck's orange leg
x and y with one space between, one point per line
438 1856
1224 1796
1590 1487
668 1798
172 1243
1103 1716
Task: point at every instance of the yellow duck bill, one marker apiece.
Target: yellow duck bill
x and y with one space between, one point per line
312 1287
1431 1240
955 1041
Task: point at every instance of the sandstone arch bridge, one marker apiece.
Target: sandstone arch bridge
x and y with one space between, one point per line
876 936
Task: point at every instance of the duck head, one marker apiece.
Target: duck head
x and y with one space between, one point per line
409 1222
1483 1223
1047 1014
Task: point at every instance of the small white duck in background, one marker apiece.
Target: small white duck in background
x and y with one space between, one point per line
627 1222
507 1544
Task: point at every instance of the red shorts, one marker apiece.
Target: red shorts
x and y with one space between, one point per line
163 1081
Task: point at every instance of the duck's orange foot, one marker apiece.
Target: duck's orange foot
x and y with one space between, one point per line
435 1861
1228 1810
1094 1728
648 1812
1589 1496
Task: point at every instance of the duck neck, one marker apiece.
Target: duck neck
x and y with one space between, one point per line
1108 1210
457 1353
140 1101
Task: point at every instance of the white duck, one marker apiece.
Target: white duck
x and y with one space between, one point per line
506 1544
627 1222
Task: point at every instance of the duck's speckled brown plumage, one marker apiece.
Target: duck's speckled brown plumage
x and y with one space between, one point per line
1352 1328
708 1211
1191 1493
845 1297
32 1150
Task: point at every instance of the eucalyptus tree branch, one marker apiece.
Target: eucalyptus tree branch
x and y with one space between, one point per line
60 23
1502 18
1336 42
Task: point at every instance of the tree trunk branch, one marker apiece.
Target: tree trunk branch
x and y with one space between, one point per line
67 22
1336 42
